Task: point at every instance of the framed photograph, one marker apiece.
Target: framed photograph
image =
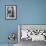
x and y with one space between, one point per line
32 32
10 12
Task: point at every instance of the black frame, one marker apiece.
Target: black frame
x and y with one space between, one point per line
6 10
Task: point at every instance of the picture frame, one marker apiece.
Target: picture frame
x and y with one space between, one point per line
37 29
10 12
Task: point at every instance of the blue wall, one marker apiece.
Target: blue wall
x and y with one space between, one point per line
28 12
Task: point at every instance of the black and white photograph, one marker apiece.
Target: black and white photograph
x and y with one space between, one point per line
29 34
10 12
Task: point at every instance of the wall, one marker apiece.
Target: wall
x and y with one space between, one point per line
28 12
